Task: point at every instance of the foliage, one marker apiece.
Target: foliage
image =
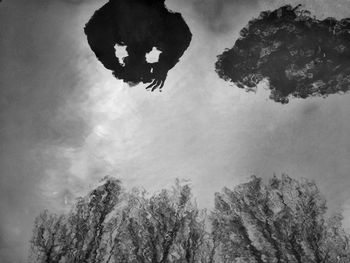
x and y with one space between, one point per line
300 55
280 221
164 228
108 226
78 236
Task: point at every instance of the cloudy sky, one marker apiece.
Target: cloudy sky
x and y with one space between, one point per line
65 122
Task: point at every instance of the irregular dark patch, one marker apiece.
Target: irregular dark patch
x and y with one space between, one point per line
139 25
299 55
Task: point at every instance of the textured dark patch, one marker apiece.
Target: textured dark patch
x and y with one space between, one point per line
299 55
140 25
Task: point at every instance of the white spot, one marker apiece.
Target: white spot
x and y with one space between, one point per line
153 56
121 53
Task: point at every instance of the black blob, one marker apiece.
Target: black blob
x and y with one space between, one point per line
140 25
299 55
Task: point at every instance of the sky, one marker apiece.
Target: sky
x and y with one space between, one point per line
66 122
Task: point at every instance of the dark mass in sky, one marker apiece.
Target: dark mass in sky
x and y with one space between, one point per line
300 55
139 26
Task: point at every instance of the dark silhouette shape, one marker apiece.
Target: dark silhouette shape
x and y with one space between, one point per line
299 55
139 25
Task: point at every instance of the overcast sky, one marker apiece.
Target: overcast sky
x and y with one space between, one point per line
66 122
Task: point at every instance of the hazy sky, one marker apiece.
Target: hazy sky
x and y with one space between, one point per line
65 121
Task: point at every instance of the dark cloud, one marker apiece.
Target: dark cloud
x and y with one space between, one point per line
300 55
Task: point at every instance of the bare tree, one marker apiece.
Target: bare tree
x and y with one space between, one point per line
336 246
281 221
277 222
108 226
167 227
78 236
47 243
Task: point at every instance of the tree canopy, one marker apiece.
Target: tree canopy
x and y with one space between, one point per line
280 221
283 220
300 55
109 225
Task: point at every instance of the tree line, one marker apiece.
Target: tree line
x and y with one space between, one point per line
281 220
